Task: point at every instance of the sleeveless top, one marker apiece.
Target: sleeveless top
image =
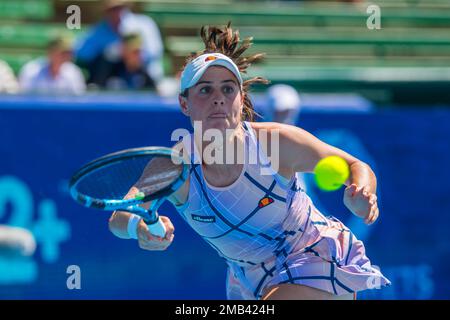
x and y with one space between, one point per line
249 221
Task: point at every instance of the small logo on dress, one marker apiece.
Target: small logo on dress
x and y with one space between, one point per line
207 219
265 202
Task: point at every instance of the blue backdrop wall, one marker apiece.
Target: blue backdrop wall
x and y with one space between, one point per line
44 140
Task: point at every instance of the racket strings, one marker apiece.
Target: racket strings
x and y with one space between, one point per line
148 173
154 183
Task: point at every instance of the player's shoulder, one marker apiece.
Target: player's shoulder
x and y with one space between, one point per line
270 127
264 125
273 126
285 134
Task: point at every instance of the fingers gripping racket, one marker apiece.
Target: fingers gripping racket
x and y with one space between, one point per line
151 173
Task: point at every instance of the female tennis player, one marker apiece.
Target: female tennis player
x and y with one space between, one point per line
276 243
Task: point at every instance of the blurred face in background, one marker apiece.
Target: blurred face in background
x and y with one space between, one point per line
285 116
281 116
131 56
60 56
57 56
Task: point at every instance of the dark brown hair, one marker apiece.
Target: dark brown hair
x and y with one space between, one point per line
226 41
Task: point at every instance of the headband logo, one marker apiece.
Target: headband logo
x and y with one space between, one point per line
210 58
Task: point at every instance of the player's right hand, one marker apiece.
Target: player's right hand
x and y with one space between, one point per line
148 241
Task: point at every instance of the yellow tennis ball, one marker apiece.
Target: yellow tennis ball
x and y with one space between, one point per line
331 172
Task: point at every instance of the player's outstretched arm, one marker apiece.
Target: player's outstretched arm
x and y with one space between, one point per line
300 151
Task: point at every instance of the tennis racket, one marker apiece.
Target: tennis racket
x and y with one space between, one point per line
154 173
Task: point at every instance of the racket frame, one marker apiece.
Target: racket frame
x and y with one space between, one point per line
130 205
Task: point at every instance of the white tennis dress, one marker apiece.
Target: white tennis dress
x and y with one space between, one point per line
269 232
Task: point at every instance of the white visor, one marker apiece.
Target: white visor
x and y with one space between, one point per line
195 69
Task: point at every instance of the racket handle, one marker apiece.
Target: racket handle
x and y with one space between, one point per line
157 228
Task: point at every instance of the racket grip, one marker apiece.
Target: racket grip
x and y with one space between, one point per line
157 228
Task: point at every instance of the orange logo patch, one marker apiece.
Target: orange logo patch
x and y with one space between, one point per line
210 58
265 202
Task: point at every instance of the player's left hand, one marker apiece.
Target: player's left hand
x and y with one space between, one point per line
361 203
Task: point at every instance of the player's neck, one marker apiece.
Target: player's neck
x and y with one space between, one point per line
221 153
222 175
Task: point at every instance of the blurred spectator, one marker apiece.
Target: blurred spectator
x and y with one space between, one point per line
103 42
129 72
283 104
55 73
8 82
